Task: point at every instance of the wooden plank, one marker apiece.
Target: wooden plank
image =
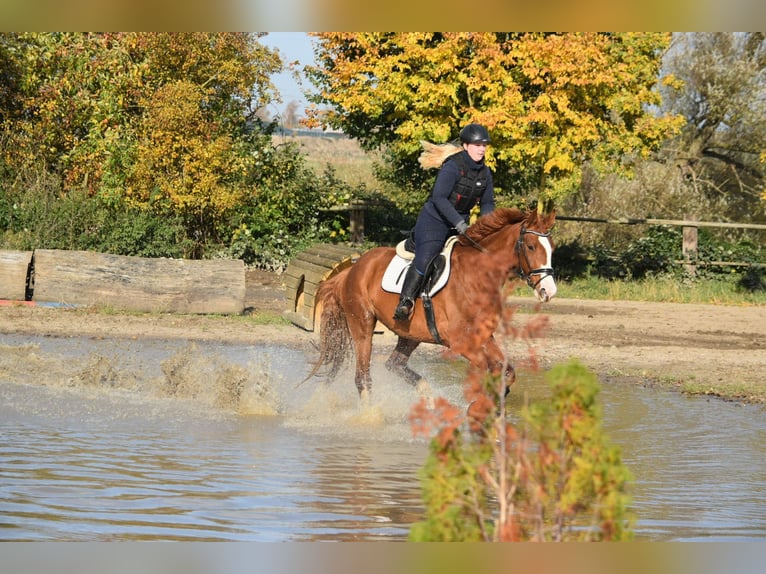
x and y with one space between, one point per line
299 320
306 272
342 251
314 273
139 284
328 255
309 299
325 259
292 283
14 266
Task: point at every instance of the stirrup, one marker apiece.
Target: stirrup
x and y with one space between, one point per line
404 310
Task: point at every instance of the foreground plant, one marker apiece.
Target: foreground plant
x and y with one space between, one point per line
553 476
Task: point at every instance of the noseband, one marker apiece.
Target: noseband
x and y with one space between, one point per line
542 272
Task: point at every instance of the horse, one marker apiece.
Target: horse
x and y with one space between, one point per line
467 311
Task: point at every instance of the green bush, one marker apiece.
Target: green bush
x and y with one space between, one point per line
285 212
37 215
658 253
143 234
554 476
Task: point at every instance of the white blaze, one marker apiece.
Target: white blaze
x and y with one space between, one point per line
547 284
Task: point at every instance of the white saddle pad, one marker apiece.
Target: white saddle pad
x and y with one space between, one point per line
397 268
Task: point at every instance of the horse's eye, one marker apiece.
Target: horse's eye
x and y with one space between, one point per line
531 247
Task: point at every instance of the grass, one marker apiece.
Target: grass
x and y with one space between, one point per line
728 390
718 291
736 391
265 318
351 163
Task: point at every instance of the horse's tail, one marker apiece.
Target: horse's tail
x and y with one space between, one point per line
433 155
334 335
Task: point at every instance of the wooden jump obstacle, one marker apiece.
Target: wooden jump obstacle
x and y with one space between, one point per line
15 270
303 276
85 278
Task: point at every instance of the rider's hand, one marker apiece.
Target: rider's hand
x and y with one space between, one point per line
461 227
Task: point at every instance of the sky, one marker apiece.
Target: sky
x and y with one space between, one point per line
292 46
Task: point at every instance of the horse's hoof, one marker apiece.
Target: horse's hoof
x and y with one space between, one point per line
424 390
365 398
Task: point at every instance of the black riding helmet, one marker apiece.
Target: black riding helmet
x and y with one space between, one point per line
474 134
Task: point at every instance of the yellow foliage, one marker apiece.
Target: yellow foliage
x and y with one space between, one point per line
550 101
182 163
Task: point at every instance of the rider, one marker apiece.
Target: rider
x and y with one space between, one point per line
463 181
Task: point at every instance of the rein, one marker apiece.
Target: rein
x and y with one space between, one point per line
542 272
475 244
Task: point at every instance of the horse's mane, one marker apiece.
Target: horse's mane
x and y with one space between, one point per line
494 221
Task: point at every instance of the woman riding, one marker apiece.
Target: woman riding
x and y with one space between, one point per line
463 182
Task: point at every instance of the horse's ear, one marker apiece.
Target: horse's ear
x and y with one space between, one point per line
549 219
545 207
546 213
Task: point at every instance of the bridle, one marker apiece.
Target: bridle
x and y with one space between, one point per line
542 272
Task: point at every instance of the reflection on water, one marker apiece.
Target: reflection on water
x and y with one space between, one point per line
699 465
117 440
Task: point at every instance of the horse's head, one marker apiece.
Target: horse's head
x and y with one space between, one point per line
531 257
534 248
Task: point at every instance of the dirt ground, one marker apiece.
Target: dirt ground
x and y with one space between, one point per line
706 349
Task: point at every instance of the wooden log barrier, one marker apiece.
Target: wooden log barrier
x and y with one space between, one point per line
139 284
15 267
303 276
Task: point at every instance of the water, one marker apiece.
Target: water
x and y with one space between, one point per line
163 440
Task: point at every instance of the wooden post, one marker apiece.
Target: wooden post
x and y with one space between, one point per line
689 249
357 221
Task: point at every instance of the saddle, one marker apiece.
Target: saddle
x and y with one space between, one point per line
437 273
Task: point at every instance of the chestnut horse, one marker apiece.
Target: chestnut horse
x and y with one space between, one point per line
467 310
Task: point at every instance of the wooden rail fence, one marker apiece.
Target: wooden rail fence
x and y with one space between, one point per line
689 238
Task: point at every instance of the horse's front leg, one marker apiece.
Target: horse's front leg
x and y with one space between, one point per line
488 358
497 364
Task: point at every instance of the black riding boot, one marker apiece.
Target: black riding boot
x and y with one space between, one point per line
410 288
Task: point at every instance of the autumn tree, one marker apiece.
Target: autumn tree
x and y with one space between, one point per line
552 102
183 164
159 122
720 88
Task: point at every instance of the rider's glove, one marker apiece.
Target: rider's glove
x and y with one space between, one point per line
461 227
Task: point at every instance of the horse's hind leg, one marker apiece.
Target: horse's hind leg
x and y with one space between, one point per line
397 363
362 378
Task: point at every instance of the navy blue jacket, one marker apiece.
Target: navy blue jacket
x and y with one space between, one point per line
438 217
